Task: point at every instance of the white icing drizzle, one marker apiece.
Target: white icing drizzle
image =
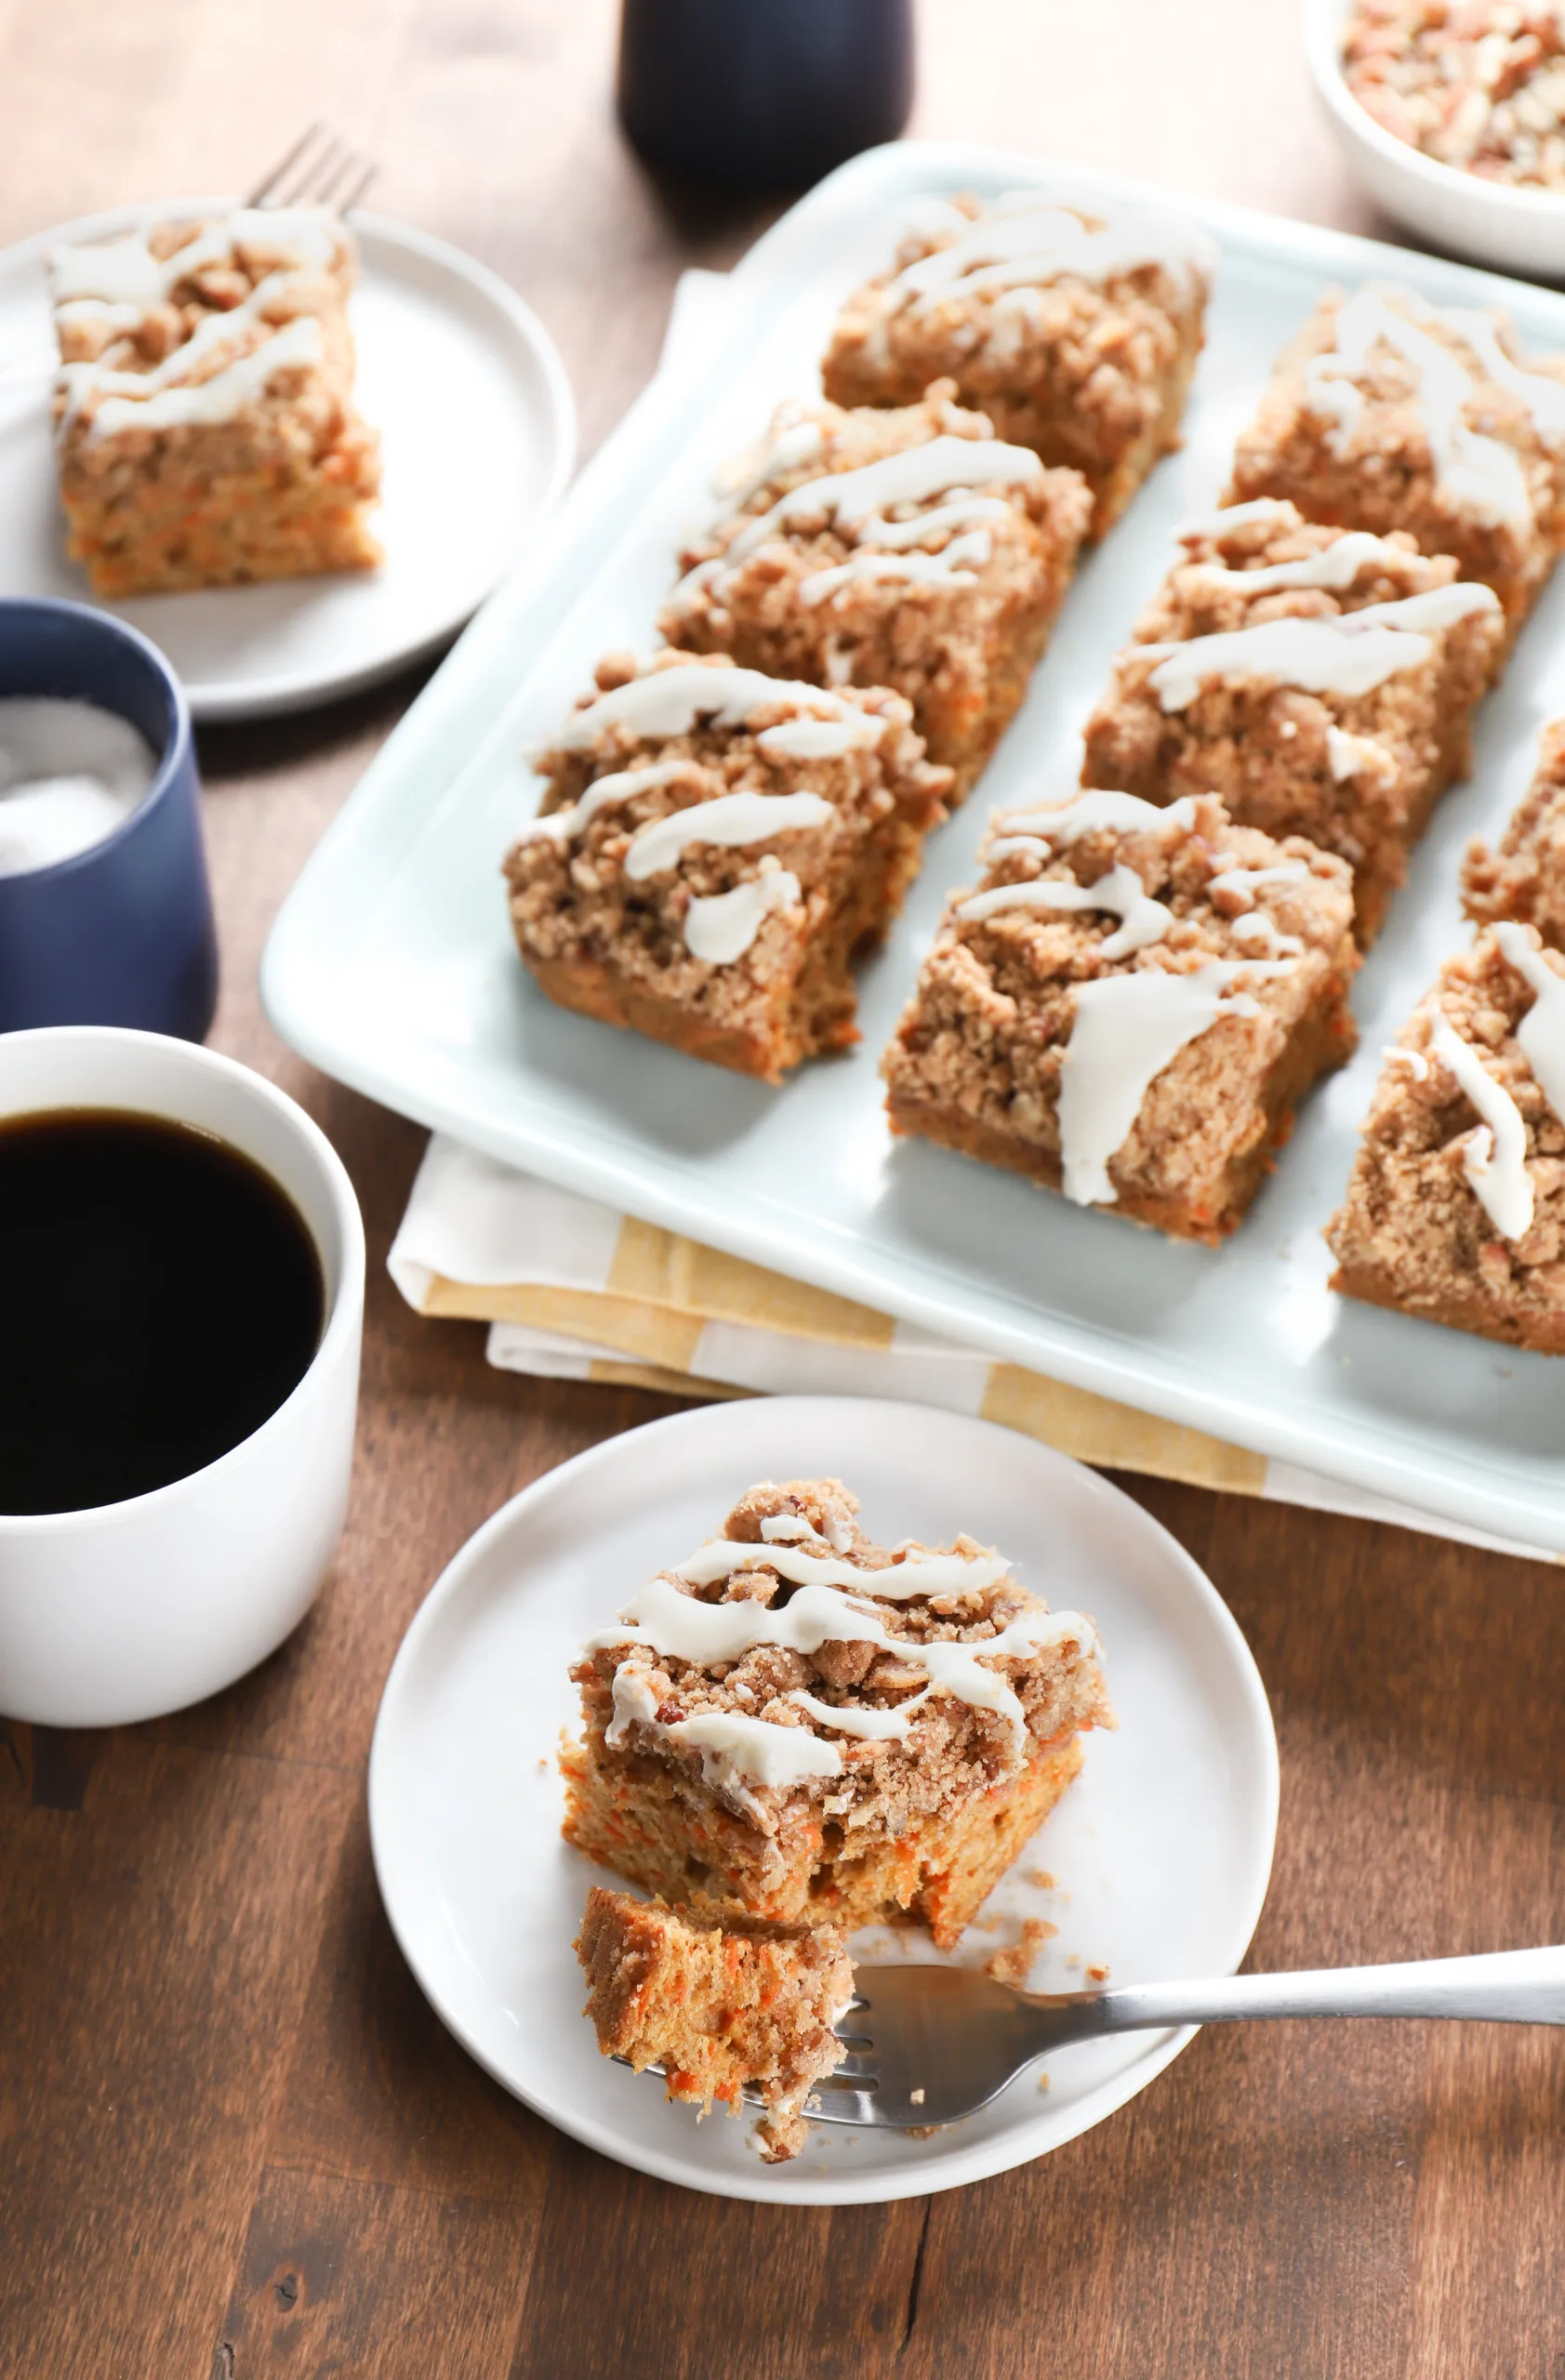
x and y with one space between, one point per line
922 1574
633 1699
1349 756
1244 880
824 740
793 443
1125 1030
1335 565
733 819
621 785
1235 516
671 702
117 281
1350 654
1256 926
1121 890
1480 474
720 927
789 1529
946 568
1415 1062
733 1746
1495 1157
865 1719
938 521
677 1626
1540 1034
1097 811
125 271
856 502
1539 391
1027 239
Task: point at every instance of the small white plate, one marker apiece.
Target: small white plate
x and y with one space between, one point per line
478 436
1162 1851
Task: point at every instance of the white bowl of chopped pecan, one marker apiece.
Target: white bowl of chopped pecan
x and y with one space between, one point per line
1453 119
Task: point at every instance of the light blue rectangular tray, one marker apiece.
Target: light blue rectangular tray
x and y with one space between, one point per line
392 965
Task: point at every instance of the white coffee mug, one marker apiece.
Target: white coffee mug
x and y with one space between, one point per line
126 1610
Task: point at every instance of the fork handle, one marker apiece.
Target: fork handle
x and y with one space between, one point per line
1508 1986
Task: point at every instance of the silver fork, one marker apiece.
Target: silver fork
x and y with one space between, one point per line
929 2045
319 170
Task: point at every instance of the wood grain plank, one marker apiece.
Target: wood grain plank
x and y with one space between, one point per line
155 1947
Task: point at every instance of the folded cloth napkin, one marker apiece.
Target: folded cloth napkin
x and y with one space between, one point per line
573 1290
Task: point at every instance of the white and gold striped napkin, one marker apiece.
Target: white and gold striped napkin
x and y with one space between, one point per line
573 1290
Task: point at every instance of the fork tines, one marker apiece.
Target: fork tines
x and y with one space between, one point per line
319 170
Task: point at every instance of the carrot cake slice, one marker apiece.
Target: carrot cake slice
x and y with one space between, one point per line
205 427
723 2005
1076 333
1321 681
1388 412
715 847
1131 1006
909 547
1525 879
1455 1210
806 1726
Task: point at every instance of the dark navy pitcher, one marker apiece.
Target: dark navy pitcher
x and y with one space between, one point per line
773 93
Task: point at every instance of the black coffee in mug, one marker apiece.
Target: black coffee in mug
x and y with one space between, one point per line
160 1297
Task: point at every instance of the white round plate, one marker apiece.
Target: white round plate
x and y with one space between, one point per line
478 439
1161 1852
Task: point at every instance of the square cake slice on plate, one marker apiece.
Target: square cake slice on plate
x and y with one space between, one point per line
1455 1209
1321 681
1131 1006
1525 877
908 549
1388 412
715 847
205 427
806 1726
720 2004
1076 333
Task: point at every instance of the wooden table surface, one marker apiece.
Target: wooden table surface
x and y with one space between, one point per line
233 2139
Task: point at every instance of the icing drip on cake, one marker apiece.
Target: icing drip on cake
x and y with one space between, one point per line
1495 1157
674 702
1120 891
1125 1030
946 568
1482 476
621 785
925 1574
822 739
733 819
1336 565
1238 516
1244 880
1540 1034
1100 812
720 927
1349 756
857 502
1022 238
1350 654
126 273
117 282
677 1627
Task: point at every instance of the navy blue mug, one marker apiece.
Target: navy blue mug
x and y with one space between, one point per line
121 933
771 93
